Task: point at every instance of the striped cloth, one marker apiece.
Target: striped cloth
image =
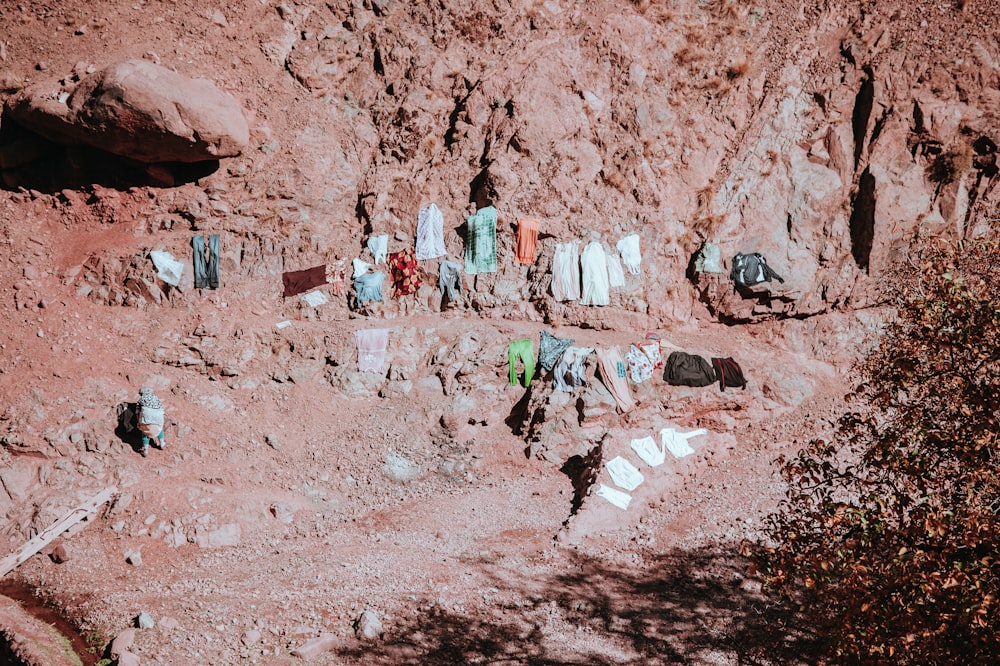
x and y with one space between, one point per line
481 242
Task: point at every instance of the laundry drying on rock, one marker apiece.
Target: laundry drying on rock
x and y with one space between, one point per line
372 344
527 240
430 233
368 287
571 372
631 257
616 276
379 247
525 351
296 282
612 368
639 366
683 369
566 271
729 373
405 272
206 264
551 349
751 269
481 242
449 281
595 275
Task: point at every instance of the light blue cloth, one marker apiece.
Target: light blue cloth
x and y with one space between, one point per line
369 287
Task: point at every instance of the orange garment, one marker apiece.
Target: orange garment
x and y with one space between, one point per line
527 240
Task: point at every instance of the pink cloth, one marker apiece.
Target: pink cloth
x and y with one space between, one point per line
372 343
613 375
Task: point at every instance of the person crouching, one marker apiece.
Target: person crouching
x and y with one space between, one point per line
150 419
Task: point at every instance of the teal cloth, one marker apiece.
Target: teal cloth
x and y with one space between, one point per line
524 350
481 242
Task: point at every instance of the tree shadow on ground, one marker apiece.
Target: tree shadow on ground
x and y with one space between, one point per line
685 607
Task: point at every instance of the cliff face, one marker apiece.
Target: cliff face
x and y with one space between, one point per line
822 135
828 136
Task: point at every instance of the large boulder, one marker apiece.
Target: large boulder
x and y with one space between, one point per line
138 110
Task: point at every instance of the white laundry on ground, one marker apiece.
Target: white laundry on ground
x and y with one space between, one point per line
430 233
623 473
168 269
314 298
616 497
676 442
629 247
647 449
379 247
595 275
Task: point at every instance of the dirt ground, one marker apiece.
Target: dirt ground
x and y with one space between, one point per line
294 494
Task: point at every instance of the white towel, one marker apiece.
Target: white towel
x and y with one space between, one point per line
430 233
616 497
650 453
676 442
629 247
168 269
379 247
623 473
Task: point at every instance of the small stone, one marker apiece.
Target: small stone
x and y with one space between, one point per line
273 441
122 643
250 637
368 626
315 647
59 554
144 621
168 623
128 659
134 557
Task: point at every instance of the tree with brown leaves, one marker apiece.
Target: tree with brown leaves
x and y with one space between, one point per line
888 543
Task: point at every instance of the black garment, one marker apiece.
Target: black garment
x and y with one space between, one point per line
683 369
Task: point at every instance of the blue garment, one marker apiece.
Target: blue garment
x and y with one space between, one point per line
206 270
369 287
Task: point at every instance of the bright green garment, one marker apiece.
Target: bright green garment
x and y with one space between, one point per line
481 242
526 351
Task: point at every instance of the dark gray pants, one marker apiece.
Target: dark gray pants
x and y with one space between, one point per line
206 270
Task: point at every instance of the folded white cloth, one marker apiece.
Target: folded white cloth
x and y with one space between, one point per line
650 453
379 247
314 298
616 497
676 442
168 269
629 247
623 473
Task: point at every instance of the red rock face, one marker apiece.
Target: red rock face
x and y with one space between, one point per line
295 491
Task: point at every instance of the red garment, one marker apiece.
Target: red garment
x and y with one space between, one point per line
527 240
295 282
405 277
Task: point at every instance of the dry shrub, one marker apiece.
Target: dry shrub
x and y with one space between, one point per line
951 164
737 70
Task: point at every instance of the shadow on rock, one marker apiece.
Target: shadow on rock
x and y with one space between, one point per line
32 162
685 607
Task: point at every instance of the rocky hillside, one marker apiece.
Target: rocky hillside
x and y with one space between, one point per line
296 491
